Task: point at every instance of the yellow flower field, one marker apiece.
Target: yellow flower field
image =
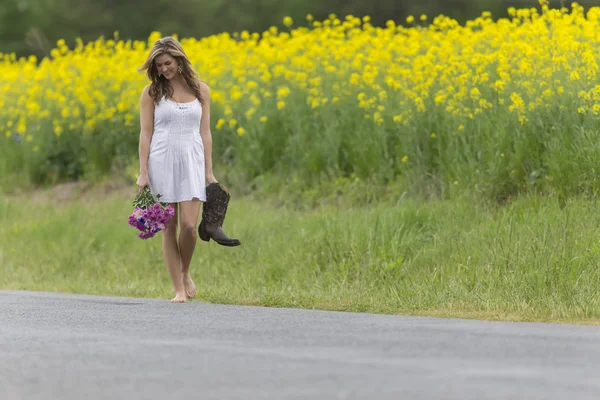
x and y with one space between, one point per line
490 100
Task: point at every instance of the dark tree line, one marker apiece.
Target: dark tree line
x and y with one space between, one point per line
34 26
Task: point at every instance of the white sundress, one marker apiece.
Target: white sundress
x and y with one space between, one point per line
176 159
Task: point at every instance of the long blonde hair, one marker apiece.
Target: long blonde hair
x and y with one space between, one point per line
160 85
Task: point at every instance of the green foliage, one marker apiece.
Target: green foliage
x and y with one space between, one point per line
495 157
144 199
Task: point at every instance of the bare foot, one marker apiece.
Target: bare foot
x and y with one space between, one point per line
190 288
179 298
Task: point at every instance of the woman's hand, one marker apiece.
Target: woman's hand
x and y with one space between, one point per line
210 178
143 181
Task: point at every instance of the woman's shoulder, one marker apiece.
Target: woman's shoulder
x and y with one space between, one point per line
204 90
146 91
148 94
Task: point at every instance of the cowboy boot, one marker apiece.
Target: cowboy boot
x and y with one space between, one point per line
223 194
213 216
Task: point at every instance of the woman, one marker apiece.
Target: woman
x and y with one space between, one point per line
176 152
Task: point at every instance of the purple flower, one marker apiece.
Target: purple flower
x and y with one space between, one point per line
151 220
146 235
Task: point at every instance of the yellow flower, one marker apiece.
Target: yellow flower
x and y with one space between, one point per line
574 76
517 102
264 119
21 127
288 21
404 159
280 105
283 92
241 131
220 123
250 113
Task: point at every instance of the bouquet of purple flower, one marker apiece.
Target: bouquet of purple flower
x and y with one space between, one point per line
150 215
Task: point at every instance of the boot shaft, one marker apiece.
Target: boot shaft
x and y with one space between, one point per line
215 207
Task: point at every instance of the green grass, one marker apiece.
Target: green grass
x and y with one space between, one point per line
535 259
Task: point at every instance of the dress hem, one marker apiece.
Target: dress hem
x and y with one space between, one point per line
179 200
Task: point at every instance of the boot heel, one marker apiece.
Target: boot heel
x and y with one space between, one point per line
203 234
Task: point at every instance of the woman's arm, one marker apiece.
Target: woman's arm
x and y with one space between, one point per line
146 130
206 134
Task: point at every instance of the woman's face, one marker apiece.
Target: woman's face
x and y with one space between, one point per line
166 65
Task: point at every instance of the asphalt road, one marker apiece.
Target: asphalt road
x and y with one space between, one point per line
84 347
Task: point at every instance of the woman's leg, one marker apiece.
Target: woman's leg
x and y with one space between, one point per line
188 218
172 257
